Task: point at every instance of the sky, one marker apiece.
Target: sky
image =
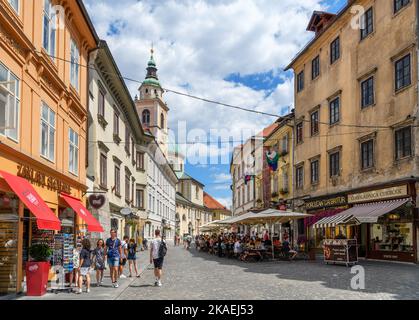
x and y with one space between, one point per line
231 51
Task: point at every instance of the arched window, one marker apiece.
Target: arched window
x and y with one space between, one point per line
146 117
162 121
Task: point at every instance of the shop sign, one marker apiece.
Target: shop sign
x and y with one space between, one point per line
43 180
97 201
340 251
395 192
324 203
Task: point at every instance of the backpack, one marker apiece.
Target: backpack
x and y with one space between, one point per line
162 249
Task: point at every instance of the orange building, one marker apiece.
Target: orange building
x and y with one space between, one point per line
43 119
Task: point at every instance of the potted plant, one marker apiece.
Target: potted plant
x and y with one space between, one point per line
37 269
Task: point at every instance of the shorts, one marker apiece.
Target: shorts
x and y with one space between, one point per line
158 263
113 262
84 271
132 258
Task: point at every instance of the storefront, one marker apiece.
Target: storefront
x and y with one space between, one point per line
387 227
320 208
36 205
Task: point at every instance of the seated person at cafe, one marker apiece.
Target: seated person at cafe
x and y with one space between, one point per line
287 251
238 248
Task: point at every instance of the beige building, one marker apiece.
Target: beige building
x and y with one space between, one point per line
356 109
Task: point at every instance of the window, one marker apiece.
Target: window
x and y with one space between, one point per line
334 109
47 132
367 154
403 143
403 74
367 23
335 50
315 67
127 186
300 177
239 199
196 192
49 25
133 191
162 121
334 164
300 81
103 170
367 92
117 181
74 152
285 181
116 124
139 199
74 71
133 150
101 101
15 5
9 104
146 117
300 132
314 166
285 144
314 120
399 4
140 160
127 139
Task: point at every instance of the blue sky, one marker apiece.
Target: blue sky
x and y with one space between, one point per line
232 51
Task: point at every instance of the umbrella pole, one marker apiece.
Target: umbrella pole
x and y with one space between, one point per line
273 248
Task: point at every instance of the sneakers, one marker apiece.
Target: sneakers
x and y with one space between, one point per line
159 283
123 276
87 290
78 291
116 285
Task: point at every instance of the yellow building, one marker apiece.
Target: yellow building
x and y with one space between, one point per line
356 121
43 120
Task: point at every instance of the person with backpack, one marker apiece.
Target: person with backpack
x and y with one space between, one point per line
158 250
113 252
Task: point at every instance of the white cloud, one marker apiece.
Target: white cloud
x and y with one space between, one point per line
200 43
221 177
225 201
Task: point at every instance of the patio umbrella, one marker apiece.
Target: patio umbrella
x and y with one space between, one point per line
271 216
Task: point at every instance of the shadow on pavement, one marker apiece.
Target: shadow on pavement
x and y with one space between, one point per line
399 280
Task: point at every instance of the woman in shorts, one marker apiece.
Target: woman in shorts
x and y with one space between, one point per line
85 264
99 261
132 258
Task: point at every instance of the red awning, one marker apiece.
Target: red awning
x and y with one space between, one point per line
92 224
46 219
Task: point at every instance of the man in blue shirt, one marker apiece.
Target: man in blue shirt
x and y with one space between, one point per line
113 252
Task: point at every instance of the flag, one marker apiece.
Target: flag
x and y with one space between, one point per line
272 157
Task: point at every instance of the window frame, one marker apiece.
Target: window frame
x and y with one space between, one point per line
399 157
369 103
140 161
396 63
315 67
146 117
139 198
370 157
299 127
315 176
332 165
117 180
365 32
75 152
101 101
335 50
299 183
17 10
403 4
74 65
11 95
103 169
300 81
116 124
316 123
332 115
50 128
47 17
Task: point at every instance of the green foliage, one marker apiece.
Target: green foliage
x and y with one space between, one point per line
40 252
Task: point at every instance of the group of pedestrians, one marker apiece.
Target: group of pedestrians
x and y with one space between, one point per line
116 254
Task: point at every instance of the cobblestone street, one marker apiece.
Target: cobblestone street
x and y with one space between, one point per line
194 275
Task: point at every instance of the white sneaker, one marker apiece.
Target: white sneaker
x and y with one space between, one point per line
159 283
87 290
123 276
79 291
116 285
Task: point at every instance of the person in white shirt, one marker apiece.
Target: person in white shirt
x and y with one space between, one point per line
155 258
237 248
124 247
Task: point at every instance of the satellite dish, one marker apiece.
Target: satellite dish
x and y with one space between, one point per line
126 211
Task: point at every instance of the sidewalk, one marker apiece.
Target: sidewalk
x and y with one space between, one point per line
106 291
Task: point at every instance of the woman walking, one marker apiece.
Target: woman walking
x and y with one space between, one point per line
85 264
132 258
74 275
99 261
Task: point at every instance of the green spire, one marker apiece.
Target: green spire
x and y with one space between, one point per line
152 78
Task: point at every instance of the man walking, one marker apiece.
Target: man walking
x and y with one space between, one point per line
158 250
113 253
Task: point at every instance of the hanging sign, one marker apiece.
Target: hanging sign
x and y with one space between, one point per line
97 201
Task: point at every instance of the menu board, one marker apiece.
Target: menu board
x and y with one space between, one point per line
340 251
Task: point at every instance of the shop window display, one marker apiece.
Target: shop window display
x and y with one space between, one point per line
393 232
9 219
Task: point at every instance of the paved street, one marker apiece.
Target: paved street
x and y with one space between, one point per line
194 275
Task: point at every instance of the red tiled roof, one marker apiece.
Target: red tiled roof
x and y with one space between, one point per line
211 203
268 130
